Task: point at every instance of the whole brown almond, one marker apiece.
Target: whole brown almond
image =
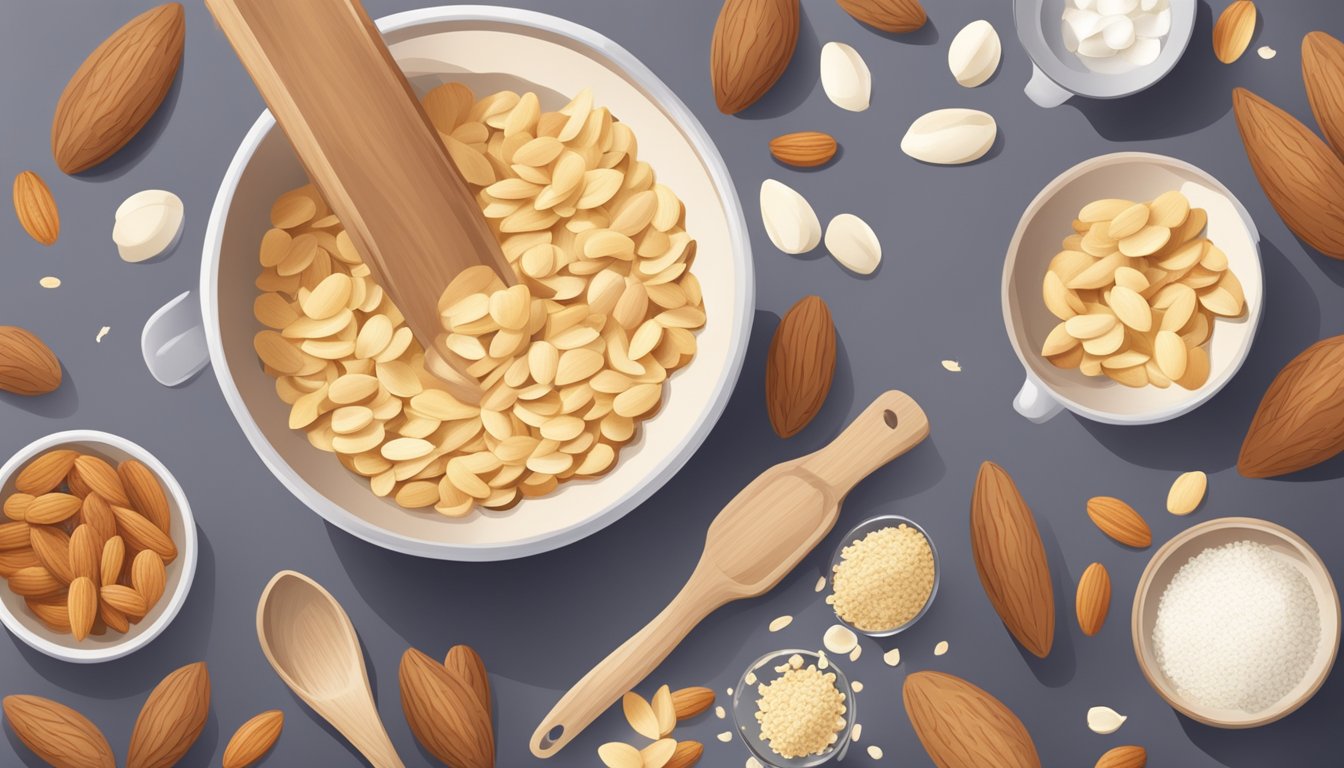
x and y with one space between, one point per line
44 473
171 719
752 45
887 15
1010 559
58 734
689 702
800 366
1118 520
962 726
254 739
16 506
1301 176
95 511
1093 600
1323 73
109 565
35 581
52 508
444 714
804 149
1233 31
102 479
36 208
76 484
81 603
86 553
148 576
56 615
27 366
466 664
1300 421
1124 757
52 546
145 492
140 533
114 619
13 536
125 599
13 561
686 754
117 88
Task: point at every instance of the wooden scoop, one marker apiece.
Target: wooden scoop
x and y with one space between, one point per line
310 642
766 530
372 152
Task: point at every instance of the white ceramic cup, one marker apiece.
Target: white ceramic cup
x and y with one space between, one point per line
111 645
1133 176
488 49
1058 75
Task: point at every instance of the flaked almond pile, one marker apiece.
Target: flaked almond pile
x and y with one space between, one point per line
884 579
571 358
801 712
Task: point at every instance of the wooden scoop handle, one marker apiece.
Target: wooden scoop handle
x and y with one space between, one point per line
369 147
743 560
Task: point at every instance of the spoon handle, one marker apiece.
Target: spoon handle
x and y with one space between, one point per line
891 425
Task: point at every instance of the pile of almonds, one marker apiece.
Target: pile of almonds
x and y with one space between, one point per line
87 543
655 720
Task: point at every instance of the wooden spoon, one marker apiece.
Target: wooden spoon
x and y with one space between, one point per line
310 642
754 542
370 149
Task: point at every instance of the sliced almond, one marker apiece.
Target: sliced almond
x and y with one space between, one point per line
1187 492
1128 221
1107 343
1130 308
639 713
853 243
1089 326
1171 354
664 710
1103 210
1146 241
1169 209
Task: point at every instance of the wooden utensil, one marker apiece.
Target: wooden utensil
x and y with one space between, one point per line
370 149
753 543
312 645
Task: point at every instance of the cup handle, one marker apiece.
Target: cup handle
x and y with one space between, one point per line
173 342
1035 404
1044 91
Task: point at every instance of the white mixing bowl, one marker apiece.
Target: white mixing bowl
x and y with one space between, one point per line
489 49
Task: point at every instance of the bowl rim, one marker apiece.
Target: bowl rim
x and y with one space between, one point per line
1143 590
742 309
888 521
1047 193
187 556
1100 85
844 684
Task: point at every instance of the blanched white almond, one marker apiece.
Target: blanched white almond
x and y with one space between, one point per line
1089 326
1171 354
1130 307
845 77
147 224
789 220
1104 720
974 54
950 136
853 243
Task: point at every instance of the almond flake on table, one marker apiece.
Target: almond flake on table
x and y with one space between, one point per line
875 752
857 686
821 584
940 648
1266 52
101 333
725 737
854 654
952 365
892 657
720 712
780 623
50 282
856 733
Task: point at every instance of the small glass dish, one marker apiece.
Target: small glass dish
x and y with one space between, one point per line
865 528
744 710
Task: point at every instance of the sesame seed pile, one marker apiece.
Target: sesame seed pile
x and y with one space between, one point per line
801 712
884 579
1237 627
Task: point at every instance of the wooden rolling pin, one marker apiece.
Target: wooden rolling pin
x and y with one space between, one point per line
763 533
372 152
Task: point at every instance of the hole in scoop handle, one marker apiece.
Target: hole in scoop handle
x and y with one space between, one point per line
891 425
1044 91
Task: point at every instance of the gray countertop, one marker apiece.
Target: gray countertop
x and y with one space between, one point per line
540 623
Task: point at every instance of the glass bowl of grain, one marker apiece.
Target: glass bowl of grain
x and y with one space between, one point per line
794 709
884 576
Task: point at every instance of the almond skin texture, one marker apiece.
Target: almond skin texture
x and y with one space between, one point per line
36 208
1124 757
753 42
1093 600
102 479
45 472
27 366
1300 421
1118 520
145 492
1301 176
800 366
887 15
804 149
117 88
1233 31
172 718
254 739
1323 73
687 754
689 702
1010 559
52 546
58 734
961 726
139 533
464 663
444 714
82 604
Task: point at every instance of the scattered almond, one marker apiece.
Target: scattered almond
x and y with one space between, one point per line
789 220
950 136
686 755
27 366
1093 600
1233 31
58 734
254 739
845 77
1187 492
615 754
752 45
1011 561
895 16
639 713
950 714
974 53
50 281
664 710
804 149
171 719
444 713
1124 757
1104 720
854 244
1323 73
36 208
1118 520
1300 421
658 754
689 702
799 366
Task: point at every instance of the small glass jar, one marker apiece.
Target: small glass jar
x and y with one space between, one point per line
865 528
744 709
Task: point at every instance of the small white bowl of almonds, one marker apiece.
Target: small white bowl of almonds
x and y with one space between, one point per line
1132 290
97 548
